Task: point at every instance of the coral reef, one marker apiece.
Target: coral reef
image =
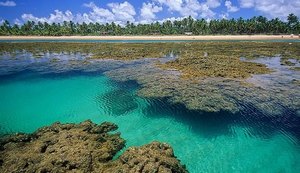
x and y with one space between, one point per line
213 94
153 157
84 147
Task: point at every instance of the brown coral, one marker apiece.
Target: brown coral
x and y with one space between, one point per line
84 147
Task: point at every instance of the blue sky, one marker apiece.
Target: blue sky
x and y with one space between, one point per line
141 11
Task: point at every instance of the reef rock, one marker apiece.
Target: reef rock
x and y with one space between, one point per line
84 147
154 157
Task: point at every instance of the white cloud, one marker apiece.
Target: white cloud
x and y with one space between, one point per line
191 7
231 8
119 13
122 11
172 19
246 3
8 4
213 3
30 17
173 5
206 12
273 8
224 16
278 8
148 12
18 22
57 17
97 14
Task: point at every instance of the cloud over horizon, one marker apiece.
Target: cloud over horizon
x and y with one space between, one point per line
161 10
8 3
273 8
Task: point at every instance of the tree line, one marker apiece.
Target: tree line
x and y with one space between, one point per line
254 25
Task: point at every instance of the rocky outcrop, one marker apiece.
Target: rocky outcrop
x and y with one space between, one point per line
84 147
154 157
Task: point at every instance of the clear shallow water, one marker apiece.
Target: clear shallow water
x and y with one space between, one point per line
282 75
205 142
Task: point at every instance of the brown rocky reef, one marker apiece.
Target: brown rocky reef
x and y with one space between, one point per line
84 147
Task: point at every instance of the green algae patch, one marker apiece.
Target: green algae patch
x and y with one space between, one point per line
215 66
219 59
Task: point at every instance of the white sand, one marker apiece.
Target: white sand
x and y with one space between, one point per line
169 37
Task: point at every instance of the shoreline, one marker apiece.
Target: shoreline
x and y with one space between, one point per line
168 37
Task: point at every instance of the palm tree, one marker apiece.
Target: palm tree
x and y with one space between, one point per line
293 22
255 25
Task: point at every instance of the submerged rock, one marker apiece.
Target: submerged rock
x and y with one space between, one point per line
154 157
84 147
212 94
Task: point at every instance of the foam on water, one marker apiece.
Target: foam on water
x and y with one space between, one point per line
205 142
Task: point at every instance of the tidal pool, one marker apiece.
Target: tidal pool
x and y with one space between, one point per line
39 92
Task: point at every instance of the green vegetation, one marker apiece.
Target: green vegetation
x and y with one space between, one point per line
255 25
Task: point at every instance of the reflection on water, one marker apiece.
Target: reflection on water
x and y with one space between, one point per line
282 76
248 140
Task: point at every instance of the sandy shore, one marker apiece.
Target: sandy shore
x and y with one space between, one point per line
185 37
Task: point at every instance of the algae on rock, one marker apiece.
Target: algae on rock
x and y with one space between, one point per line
84 147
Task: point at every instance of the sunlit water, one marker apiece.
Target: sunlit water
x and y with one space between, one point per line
205 142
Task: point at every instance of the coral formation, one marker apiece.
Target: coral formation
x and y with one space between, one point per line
153 157
84 147
212 94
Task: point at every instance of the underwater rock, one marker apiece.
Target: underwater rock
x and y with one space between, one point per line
210 94
84 147
153 157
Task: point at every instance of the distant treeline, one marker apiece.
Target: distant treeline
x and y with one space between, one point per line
255 25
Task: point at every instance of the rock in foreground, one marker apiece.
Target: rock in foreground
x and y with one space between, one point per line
84 147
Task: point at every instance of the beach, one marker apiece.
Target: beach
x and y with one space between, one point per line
167 37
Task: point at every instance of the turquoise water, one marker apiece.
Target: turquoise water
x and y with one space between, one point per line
205 142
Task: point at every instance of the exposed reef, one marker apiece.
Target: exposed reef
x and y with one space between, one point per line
195 59
84 147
